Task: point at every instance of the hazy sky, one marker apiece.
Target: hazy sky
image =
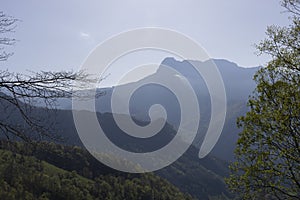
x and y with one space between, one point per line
56 35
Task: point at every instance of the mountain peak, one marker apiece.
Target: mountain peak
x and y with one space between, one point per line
220 63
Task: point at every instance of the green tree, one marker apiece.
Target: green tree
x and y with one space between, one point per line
268 154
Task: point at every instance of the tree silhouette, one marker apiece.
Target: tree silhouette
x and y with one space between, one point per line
20 93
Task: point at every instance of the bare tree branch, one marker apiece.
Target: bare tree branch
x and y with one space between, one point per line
27 100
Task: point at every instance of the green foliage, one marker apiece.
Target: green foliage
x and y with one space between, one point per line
268 150
203 179
23 176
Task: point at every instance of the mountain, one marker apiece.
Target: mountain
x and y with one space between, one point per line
238 84
205 175
201 178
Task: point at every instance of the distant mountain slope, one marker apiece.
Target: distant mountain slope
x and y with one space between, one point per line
206 175
238 84
201 173
203 179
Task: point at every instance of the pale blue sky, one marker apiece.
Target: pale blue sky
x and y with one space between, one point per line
56 35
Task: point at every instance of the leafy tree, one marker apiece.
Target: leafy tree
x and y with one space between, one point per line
268 150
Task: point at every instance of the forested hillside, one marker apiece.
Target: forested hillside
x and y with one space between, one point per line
76 163
24 174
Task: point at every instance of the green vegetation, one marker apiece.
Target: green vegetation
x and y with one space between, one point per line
202 179
268 150
24 176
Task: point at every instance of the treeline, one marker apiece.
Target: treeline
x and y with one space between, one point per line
24 175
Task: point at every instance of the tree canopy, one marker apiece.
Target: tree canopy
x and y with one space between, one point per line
268 149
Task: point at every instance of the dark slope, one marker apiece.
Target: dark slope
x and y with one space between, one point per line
197 177
56 172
